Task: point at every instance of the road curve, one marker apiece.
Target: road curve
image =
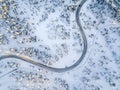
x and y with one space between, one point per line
29 60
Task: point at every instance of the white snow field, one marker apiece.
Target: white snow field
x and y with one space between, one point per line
59 45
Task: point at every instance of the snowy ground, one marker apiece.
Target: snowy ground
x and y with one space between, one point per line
47 32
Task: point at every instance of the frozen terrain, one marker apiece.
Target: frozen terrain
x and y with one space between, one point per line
50 33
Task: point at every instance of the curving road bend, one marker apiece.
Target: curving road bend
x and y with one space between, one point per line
29 60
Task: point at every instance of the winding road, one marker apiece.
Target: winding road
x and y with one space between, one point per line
29 60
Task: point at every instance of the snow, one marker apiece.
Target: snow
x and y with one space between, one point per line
53 39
